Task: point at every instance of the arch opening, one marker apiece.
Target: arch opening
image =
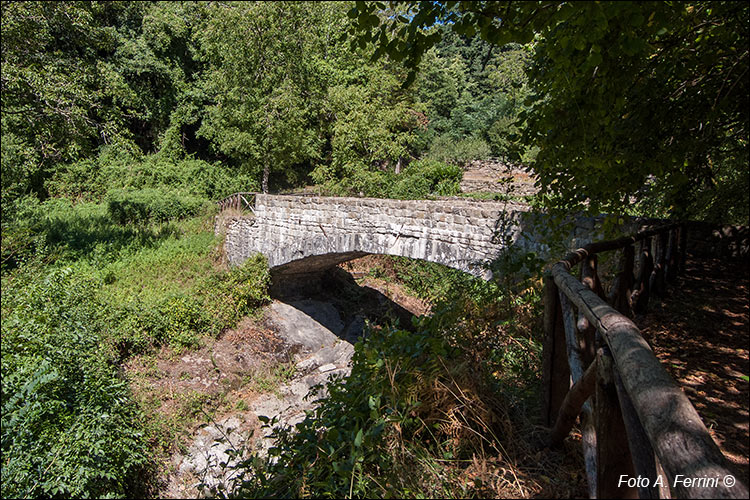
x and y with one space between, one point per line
307 272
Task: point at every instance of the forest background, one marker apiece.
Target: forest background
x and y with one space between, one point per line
123 121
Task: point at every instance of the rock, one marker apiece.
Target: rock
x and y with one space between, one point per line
322 312
321 355
208 457
354 330
338 355
296 327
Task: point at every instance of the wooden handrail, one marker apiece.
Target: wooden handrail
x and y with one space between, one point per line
658 417
239 201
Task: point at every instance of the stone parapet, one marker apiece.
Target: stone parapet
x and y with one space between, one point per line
305 234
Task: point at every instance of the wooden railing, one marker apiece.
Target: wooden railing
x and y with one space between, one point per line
238 201
641 435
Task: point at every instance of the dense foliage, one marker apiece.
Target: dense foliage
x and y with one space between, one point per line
68 426
265 91
89 294
628 102
627 108
122 123
419 407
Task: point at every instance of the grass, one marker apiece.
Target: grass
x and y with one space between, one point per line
495 196
154 291
269 377
176 264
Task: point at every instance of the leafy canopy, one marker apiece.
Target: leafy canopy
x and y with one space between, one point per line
631 102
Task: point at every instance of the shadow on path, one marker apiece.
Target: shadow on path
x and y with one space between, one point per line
701 332
336 301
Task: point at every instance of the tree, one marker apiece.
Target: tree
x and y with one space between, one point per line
79 77
257 81
51 92
630 101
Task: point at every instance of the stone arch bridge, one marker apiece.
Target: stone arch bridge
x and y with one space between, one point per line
301 235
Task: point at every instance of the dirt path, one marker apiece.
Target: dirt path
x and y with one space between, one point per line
701 332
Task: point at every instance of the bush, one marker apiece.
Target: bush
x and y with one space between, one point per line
79 180
230 296
179 317
91 179
446 179
19 240
421 179
151 205
184 320
448 150
410 187
424 178
409 396
211 181
361 182
69 428
470 149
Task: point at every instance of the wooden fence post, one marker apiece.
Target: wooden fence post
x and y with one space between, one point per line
612 450
624 282
590 278
661 252
555 370
577 372
573 405
641 451
642 289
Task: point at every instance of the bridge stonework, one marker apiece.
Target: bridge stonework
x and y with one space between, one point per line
305 234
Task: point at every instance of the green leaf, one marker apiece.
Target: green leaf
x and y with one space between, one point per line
595 59
373 402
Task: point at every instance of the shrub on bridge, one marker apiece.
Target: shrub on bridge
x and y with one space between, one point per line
424 178
421 179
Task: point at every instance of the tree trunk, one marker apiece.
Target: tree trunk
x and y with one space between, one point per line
264 181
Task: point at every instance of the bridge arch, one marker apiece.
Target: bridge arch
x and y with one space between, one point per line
307 234
457 233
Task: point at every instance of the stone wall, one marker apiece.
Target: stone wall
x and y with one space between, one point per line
305 233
